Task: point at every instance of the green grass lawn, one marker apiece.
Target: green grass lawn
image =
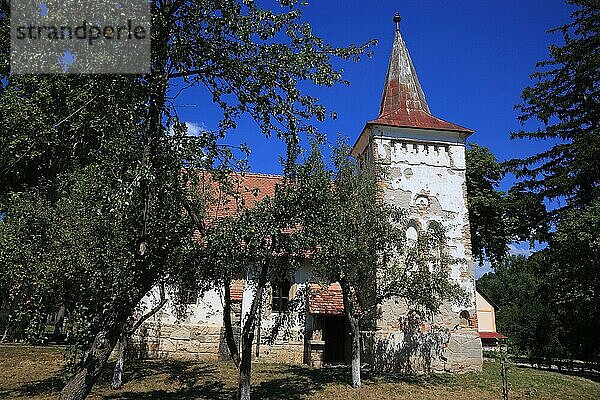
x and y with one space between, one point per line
36 373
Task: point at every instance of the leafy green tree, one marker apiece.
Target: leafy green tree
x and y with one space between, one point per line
498 218
107 164
358 240
26 290
565 100
489 238
572 282
262 244
42 161
518 288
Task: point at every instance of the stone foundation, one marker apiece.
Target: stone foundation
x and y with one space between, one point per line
464 352
290 352
422 352
416 352
205 342
185 342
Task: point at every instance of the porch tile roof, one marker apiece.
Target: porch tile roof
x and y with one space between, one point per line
326 301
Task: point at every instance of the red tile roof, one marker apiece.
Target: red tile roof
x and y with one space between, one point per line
417 119
328 301
246 190
249 189
491 335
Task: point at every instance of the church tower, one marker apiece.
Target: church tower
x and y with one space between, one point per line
425 157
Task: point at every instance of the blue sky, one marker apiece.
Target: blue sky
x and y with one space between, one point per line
473 59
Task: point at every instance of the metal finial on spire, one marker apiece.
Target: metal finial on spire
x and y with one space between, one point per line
397 19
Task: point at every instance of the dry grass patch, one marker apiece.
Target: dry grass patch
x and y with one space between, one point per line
36 373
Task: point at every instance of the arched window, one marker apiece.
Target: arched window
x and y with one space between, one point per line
465 319
412 231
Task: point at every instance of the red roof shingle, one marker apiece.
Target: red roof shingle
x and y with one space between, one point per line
237 293
249 188
328 301
491 335
403 103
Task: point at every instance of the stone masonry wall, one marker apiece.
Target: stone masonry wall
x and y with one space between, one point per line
185 342
200 333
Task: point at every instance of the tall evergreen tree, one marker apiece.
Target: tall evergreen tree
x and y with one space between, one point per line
565 99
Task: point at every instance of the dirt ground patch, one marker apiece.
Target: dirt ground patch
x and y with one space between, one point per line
37 373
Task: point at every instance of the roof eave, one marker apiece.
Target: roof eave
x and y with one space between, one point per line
487 299
354 152
468 132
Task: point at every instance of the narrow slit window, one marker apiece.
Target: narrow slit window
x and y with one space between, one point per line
281 295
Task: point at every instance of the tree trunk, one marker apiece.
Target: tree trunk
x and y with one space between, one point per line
245 367
229 336
60 318
80 385
258 334
355 333
248 337
117 381
350 310
7 331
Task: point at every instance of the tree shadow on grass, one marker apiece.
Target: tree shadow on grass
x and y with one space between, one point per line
294 382
196 380
214 390
204 381
174 379
45 386
592 375
185 373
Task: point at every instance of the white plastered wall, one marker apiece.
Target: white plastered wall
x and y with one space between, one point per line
427 176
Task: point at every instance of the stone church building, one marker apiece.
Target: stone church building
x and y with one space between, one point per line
425 156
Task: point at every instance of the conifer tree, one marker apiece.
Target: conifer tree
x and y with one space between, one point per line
565 100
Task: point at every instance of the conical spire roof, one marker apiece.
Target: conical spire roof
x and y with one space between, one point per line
403 103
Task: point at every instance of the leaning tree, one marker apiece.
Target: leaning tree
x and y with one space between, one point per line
105 166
